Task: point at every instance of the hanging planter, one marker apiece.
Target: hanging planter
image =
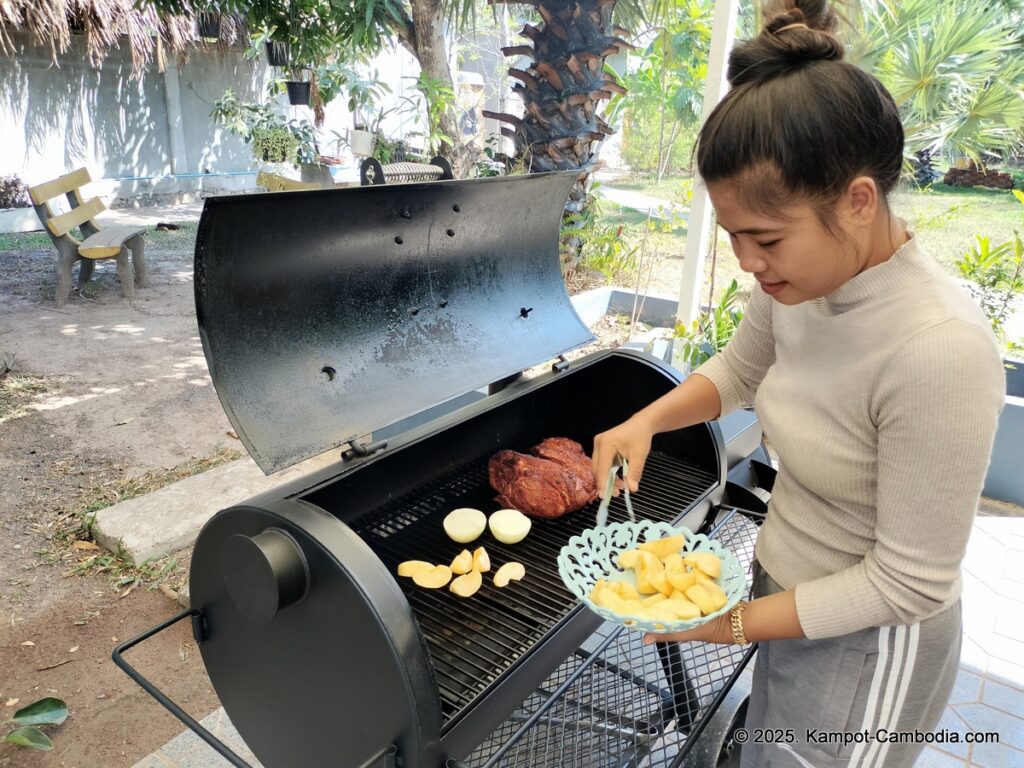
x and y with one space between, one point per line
298 93
208 25
277 54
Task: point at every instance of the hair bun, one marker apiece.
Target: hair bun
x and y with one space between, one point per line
795 34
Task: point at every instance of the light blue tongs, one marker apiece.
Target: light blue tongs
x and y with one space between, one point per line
602 510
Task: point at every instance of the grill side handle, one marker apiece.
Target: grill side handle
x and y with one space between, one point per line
118 656
385 759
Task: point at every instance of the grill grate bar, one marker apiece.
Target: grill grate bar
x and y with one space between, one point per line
473 641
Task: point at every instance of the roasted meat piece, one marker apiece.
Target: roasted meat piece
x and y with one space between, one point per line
558 478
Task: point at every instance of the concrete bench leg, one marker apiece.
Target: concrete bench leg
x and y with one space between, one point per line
64 263
139 260
85 272
126 274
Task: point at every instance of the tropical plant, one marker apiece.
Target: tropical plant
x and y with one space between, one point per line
955 71
273 138
665 86
710 332
996 275
48 711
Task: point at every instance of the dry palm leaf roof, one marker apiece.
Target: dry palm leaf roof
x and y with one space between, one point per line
105 24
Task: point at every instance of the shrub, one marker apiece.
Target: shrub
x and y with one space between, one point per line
13 193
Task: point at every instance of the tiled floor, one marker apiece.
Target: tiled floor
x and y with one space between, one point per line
989 693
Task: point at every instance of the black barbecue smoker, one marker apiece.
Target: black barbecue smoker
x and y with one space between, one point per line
392 324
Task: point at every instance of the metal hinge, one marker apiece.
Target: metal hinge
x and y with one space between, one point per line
360 450
560 365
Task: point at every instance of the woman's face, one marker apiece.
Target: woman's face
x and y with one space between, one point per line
792 255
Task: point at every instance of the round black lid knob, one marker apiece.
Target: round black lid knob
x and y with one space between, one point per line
264 573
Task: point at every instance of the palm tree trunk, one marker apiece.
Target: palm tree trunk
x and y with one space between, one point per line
562 88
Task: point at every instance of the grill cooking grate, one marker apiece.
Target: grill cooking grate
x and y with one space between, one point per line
473 641
611 703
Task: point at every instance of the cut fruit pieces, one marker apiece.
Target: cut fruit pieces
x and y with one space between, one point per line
509 526
463 562
509 572
411 567
467 584
481 560
435 578
464 525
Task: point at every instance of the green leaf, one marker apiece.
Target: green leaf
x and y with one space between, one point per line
48 711
29 737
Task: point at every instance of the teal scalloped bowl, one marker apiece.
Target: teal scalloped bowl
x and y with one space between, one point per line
591 556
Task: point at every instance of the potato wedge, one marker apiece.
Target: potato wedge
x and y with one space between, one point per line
662 548
625 590
463 562
411 567
684 609
629 559
467 584
706 562
509 572
705 599
481 560
435 578
682 581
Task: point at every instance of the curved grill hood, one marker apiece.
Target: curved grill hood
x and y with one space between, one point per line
326 315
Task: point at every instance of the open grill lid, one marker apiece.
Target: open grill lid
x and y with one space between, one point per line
326 315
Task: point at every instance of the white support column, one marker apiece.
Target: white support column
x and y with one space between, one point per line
698 235
175 123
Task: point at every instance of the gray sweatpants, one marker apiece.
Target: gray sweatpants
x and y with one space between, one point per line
855 700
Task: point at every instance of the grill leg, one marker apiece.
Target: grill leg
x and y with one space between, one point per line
685 703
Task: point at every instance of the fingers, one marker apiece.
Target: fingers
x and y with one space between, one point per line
636 469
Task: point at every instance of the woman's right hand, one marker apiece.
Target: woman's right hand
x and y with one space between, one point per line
630 440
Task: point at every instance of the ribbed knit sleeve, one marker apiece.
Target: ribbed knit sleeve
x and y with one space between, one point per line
935 406
738 369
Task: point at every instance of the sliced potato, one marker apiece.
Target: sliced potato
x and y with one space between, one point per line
683 609
463 562
467 584
707 562
654 599
682 581
664 547
509 526
509 572
411 567
435 578
705 599
629 559
481 560
625 590
464 525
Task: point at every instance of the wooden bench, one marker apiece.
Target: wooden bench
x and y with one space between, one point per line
372 172
112 242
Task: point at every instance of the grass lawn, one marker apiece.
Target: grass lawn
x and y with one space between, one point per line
174 241
945 218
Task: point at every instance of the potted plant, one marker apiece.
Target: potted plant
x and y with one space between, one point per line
208 25
277 53
273 138
298 86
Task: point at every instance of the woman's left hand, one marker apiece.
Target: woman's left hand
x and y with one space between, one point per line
718 630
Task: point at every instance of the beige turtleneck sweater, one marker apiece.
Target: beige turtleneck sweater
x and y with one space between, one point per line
881 400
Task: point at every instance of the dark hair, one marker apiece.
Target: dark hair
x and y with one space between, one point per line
799 122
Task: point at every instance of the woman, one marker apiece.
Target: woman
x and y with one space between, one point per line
879 384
